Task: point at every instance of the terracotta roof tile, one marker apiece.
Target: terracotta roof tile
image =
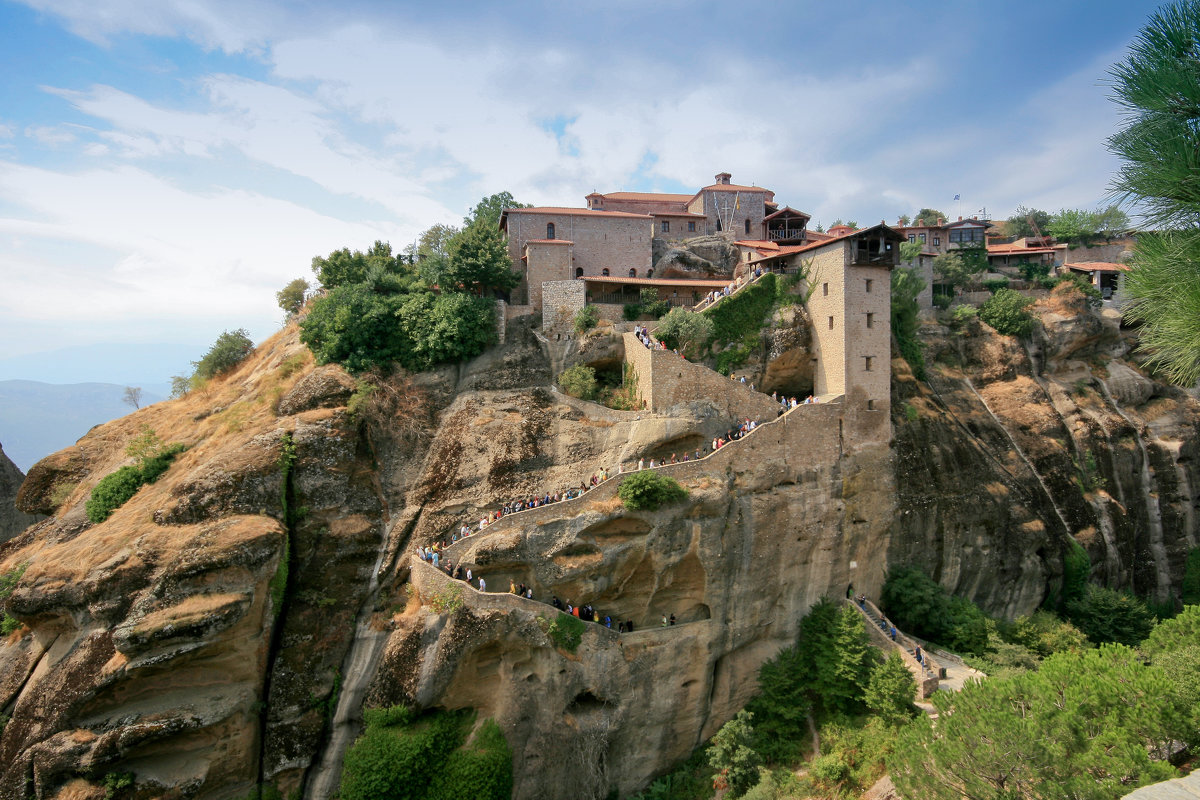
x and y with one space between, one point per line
1098 266
647 196
578 212
712 284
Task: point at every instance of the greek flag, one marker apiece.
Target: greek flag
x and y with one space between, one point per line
956 197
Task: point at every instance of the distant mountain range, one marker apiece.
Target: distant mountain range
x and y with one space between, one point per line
37 419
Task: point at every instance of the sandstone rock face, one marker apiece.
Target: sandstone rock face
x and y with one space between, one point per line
701 257
12 521
216 632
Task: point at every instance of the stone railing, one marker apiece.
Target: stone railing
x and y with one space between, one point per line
926 672
805 426
429 581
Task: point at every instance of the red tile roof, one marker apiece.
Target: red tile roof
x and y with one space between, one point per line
578 212
710 284
647 196
785 210
1098 266
733 187
687 214
1016 249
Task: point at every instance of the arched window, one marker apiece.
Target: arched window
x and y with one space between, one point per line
747 226
549 230
650 272
579 272
604 272
632 272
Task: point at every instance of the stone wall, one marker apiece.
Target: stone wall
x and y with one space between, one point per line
826 308
666 380
561 300
546 262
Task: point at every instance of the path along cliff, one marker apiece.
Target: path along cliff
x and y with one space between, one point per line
222 629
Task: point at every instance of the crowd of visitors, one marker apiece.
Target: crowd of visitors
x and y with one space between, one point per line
725 291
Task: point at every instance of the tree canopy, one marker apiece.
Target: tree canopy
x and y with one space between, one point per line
291 297
951 268
486 212
1158 88
229 350
929 216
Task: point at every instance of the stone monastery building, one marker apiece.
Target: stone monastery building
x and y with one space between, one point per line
605 254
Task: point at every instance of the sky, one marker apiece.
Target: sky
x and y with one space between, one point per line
167 166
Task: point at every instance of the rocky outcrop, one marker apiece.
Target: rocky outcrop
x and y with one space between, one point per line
12 520
700 257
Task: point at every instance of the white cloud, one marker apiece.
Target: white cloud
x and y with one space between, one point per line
50 135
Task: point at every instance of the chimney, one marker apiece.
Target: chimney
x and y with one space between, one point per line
920 223
960 219
941 222
723 178
975 217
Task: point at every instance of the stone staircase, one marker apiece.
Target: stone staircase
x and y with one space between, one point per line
927 672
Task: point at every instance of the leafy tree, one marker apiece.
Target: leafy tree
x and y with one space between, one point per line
344 266
1007 312
1073 225
486 212
904 220
586 319
434 242
230 349
1111 220
1045 634
1033 271
1174 634
291 297
357 328
132 396
649 489
782 705
1106 615
145 445
1018 225
1088 724
909 251
891 689
1158 88
578 381
914 601
930 216
1191 577
906 286
952 269
445 328
730 754
687 330
478 261
651 304
180 386
841 679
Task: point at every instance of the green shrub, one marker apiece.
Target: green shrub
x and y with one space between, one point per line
1033 272
631 311
115 489
891 689
648 490
1191 578
8 624
1049 282
586 319
906 287
578 381
962 314
685 330
1073 280
994 284
730 754
1174 634
921 606
1045 634
648 300
1077 566
230 349
745 312
401 757
942 301
1007 312
1106 615
565 630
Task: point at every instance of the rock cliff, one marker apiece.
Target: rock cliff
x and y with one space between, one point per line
12 521
224 627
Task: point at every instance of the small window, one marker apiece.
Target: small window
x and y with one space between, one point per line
632 272
912 237
870 319
870 405
937 241
604 272
579 272
825 290
868 360
831 323
691 227
718 223
549 230
650 272
921 236
747 227
869 282
666 226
